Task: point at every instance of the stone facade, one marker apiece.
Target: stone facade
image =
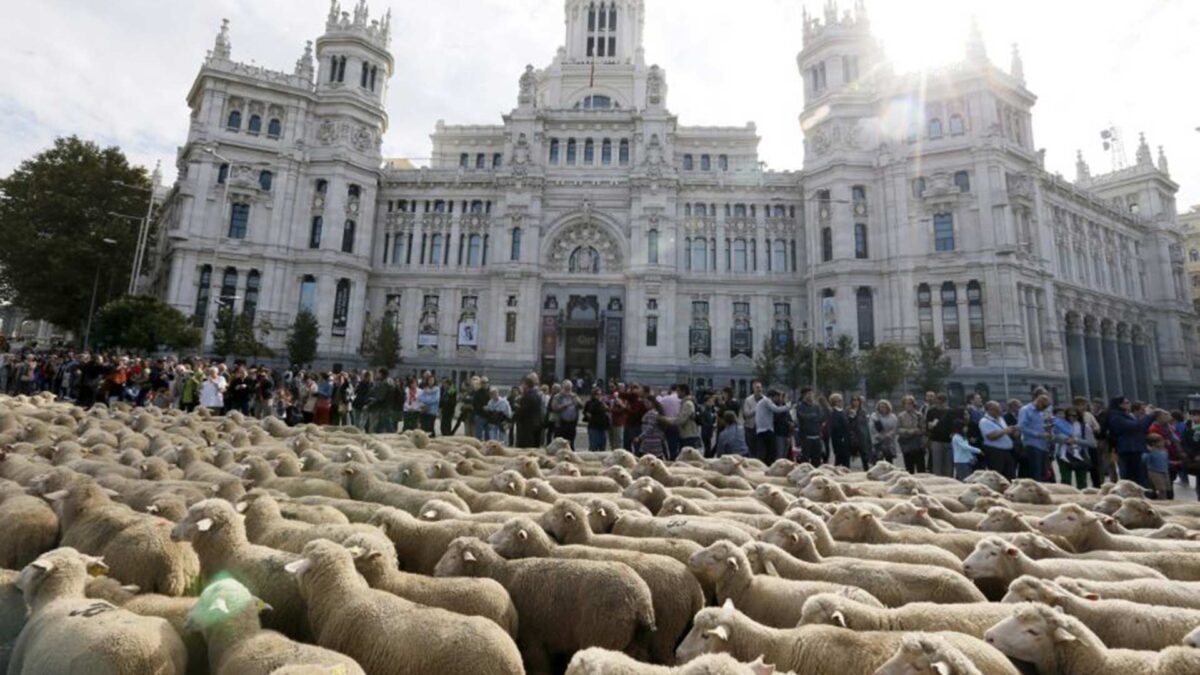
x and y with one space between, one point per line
590 232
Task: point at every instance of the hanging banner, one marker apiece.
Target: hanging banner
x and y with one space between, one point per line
613 334
700 341
741 342
468 333
829 318
427 336
549 347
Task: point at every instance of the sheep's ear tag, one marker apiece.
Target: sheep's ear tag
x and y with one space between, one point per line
941 668
132 588
522 534
204 525
431 514
349 471
839 618
242 506
468 556
1091 596
733 562
720 632
263 606
220 605
96 567
214 487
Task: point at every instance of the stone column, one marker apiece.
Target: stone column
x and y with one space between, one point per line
964 325
1141 367
1076 357
1112 364
1128 365
1095 359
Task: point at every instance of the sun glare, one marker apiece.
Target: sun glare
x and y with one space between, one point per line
921 34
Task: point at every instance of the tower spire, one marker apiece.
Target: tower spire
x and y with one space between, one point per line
976 51
222 48
1017 70
1162 161
1082 173
1143 151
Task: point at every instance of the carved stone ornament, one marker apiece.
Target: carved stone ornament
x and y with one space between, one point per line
327 132
586 243
362 139
654 86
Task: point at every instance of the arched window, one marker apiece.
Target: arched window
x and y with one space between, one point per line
975 315
950 335
956 125
250 302
624 152
652 247
477 206
341 308
705 162
739 210
308 293
515 250
589 151
235 120
943 232
866 318
354 191
925 310
341 69
255 125
480 161
571 151
1194 255
606 152
264 180
348 237
435 250
779 256
203 288
554 151
374 73
962 181
596 102
239 220
464 160
222 174
364 75
274 128
688 163
439 206
826 244
741 261
314 233
723 162
322 186
228 288
935 128
474 250
860 241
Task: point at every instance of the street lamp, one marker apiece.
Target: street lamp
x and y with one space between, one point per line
139 254
87 332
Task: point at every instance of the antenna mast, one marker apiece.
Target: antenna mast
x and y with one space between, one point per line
1115 146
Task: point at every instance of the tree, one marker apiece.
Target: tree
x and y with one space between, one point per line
143 324
236 334
766 364
796 365
837 366
381 345
302 342
932 366
886 367
55 215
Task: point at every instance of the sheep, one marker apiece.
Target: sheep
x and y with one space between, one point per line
137 545
815 650
997 559
168 507
265 525
772 601
703 531
28 527
69 633
419 543
1172 565
926 653
567 522
465 498
539 489
385 633
1136 512
227 615
970 618
363 485
674 592
355 512
602 514
260 472
316 514
1059 643
219 538
436 509
12 614
850 522
375 559
1147 591
1123 488
682 506
893 584
596 661
917 554
173 609
1086 533
1118 623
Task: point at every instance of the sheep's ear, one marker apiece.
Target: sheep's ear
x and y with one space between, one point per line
298 567
603 512
153 508
220 605
839 618
56 495
372 555
96 566
1012 551
678 508
263 606
522 534
569 516
356 551
42 564
1063 635
770 568
241 506
795 537
865 516
214 488
132 588
533 491
349 471
733 562
429 515
720 632
941 668
204 524
468 556
728 604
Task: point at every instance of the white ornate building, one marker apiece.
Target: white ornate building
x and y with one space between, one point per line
591 232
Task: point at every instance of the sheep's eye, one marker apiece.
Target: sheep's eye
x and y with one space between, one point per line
1032 632
1071 518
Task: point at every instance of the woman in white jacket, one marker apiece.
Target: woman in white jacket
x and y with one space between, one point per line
885 432
212 392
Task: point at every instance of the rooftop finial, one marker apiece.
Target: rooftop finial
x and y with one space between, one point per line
361 14
831 12
222 47
1143 151
335 10
976 51
1017 70
1162 161
1082 173
304 64
860 11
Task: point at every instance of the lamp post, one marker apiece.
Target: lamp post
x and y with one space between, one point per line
1002 253
87 332
139 254
210 313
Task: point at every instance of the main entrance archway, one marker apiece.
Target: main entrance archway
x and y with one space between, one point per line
582 333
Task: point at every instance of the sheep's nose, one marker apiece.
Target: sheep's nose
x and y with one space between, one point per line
990 640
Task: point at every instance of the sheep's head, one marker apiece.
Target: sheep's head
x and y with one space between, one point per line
539 489
1027 491
1001 519
814 523
991 479
527 467
835 609
169 506
651 466
620 457
675 505
780 468
927 653
111 590
907 513
78 497
850 522
320 558
728 465
1192 639
438 509
1123 488
1034 634
1036 546
721 558
565 469
880 470
373 555
261 502
822 489
464 558
409 474
61 573
225 603
1137 512
1032 589
1172 531
645 490
509 482
992 557
520 537
208 518
713 628
690 455
566 521
1077 587
792 538
1069 521
973 492
982 504
906 485
602 514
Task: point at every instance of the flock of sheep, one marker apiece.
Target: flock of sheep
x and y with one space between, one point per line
154 541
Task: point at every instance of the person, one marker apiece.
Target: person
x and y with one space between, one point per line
749 417
565 407
839 431
706 415
998 443
964 452
496 415
264 394
1128 435
341 403
670 404
1073 442
1190 440
514 399
912 435
595 416
212 392
480 397
652 440
528 415
939 431
976 411
731 439
1035 437
189 396
618 417
447 405
764 425
1164 426
430 397
809 419
308 399
686 423
1157 466
884 433
636 409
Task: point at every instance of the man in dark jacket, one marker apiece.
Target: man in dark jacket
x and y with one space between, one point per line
528 415
809 417
839 432
1128 435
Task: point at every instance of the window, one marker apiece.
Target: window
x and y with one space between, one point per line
962 181
652 331
739 210
975 316
474 250
464 160
858 195
439 206
477 206
826 244
589 151
652 247
250 302
274 128
228 288
705 163
480 161
255 125
239 218
596 102
264 180
322 186
860 241
779 256
919 187
687 163
435 250
341 68
202 293
314 233
348 237
364 75
353 192
723 162
399 248
935 128
222 174
624 154
925 310
341 308
570 151
515 250
950 336
816 76
698 254
374 74
602 27
308 293
1194 255
606 152
943 232
497 160
956 125
235 120
554 151
866 318
740 255
510 328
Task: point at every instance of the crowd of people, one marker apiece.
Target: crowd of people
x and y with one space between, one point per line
1085 441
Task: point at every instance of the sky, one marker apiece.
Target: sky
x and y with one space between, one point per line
118 71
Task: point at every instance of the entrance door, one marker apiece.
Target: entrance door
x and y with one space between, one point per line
582 349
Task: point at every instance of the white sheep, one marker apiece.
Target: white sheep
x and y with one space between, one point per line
917 554
1086 533
1147 591
928 653
995 558
596 661
969 618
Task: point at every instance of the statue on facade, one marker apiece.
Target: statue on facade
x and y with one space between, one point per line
528 87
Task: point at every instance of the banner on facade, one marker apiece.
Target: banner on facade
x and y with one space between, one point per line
700 341
613 334
741 342
468 333
829 319
427 336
